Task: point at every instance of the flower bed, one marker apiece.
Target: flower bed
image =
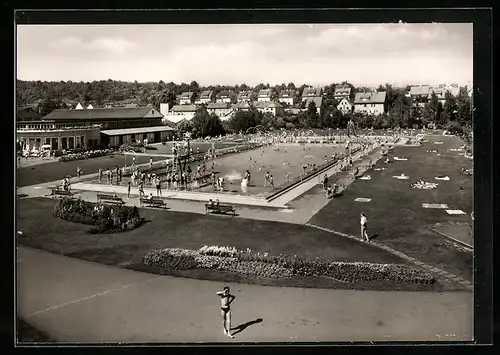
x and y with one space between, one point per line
86 155
103 218
280 266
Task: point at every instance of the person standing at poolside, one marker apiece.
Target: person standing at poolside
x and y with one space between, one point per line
325 182
226 298
128 189
364 227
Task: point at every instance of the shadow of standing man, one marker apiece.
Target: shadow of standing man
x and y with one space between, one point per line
244 326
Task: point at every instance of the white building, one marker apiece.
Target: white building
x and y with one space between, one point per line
181 112
370 103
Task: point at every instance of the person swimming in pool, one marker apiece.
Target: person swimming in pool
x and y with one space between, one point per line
226 298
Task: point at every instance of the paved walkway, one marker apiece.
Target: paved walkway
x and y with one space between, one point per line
78 301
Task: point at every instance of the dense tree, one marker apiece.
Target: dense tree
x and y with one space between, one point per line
311 116
204 124
464 113
183 127
243 120
449 109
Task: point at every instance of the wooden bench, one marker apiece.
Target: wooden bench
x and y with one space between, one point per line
153 202
110 198
220 209
61 193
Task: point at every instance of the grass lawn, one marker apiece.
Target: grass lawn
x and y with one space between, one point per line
395 213
184 230
32 175
28 334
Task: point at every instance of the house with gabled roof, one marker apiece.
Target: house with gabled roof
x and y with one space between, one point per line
345 106
223 96
269 106
440 93
370 102
221 109
454 89
246 95
419 94
286 97
342 92
181 112
310 92
318 100
243 106
186 98
205 97
264 95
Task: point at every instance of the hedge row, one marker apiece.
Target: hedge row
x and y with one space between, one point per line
280 266
104 218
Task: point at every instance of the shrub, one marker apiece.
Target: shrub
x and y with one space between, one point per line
103 217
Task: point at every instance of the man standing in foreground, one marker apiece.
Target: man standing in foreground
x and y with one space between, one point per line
225 301
364 228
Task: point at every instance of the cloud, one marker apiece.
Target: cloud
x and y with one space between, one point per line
102 44
115 45
69 41
385 38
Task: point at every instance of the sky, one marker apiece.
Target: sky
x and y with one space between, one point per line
313 54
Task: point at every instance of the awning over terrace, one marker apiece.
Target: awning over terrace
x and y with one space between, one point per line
125 131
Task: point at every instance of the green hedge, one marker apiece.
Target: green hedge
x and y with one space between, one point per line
103 218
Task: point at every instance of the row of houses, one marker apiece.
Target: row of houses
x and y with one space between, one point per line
421 94
288 97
